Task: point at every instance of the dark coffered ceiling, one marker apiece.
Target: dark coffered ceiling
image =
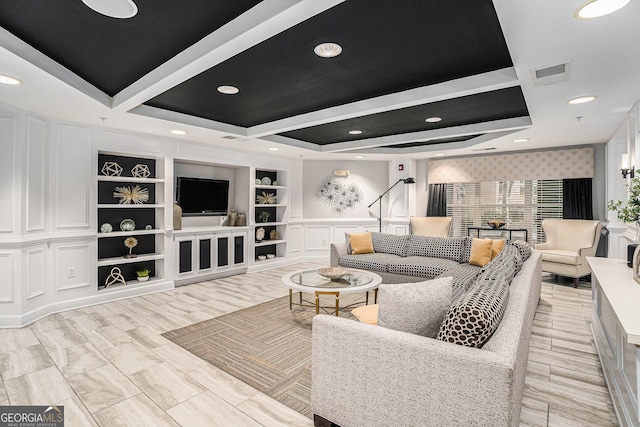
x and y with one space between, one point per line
482 107
401 63
113 53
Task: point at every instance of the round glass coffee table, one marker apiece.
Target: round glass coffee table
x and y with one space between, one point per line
354 281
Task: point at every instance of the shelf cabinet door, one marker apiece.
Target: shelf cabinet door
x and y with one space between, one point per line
205 254
185 256
223 251
238 250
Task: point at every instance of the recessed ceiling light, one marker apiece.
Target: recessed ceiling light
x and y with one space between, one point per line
438 154
8 80
355 132
521 140
328 50
582 99
433 119
273 148
228 90
121 9
360 157
178 132
597 8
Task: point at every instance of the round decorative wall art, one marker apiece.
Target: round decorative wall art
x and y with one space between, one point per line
340 197
106 228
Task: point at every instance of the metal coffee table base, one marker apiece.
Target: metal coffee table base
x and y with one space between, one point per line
334 293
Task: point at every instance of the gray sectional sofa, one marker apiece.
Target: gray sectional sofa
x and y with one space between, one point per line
364 375
412 258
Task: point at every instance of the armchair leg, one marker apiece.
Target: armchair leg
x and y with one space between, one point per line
575 282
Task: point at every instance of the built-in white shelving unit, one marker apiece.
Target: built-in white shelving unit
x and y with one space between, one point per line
273 246
146 219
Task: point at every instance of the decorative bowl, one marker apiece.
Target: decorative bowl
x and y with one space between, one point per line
262 257
271 256
333 273
496 223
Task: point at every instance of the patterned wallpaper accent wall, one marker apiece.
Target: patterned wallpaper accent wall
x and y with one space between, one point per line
553 164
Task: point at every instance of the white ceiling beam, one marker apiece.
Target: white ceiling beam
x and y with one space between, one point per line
428 135
261 22
437 146
40 60
185 119
292 142
471 85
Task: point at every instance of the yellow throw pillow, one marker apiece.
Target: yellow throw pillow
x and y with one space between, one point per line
361 243
480 252
496 247
367 314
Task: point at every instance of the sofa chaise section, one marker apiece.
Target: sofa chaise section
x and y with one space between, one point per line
365 375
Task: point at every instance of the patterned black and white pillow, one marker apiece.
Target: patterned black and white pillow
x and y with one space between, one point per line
523 247
390 243
472 319
466 252
436 247
506 262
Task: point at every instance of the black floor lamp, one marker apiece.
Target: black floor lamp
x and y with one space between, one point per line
379 199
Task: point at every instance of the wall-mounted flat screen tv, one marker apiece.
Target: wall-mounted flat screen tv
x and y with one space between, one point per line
201 196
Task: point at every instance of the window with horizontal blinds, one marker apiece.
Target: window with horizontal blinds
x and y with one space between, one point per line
522 204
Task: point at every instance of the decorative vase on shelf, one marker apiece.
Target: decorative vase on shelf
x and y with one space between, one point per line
177 216
242 220
233 218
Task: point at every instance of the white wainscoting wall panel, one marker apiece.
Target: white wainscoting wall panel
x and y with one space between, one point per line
617 244
7 173
73 177
398 229
295 239
317 237
7 276
35 271
340 230
296 195
36 174
73 260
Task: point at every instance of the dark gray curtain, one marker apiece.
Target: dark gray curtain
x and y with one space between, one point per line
577 198
437 203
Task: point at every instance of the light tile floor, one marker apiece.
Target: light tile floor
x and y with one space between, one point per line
108 364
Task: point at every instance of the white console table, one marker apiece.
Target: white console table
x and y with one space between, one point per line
616 329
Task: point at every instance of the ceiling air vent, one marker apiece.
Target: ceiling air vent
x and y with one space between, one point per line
551 75
229 137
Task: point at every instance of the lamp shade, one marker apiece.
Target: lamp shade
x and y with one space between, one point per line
409 180
624 163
